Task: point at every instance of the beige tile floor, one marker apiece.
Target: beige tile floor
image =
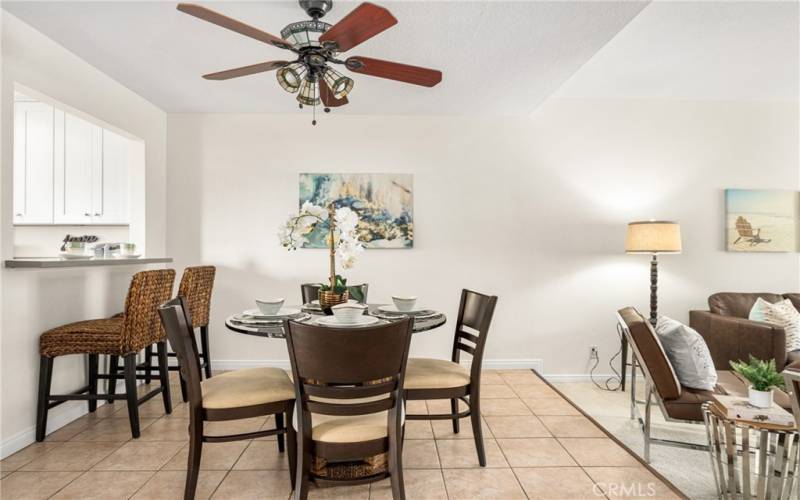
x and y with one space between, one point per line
537 446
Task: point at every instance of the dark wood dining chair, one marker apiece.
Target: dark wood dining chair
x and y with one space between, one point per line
441 379
349 388
196 286
122 336
232 395
310 292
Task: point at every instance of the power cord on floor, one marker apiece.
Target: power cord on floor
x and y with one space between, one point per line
608 384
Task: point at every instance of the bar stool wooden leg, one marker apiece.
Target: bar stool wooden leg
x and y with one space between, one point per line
454 412
206 352
93 366
279 425
148 364
113 368
163 374
45 377
130 390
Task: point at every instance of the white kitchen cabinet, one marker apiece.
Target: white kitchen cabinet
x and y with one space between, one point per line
78 148
33 162
68 170
110 181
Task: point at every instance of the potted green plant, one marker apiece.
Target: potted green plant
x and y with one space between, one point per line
763 378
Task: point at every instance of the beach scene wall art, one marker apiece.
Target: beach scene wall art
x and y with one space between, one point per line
384 202
761 220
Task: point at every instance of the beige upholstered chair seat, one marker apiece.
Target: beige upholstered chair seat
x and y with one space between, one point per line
426 373
334 429
246 388
349 429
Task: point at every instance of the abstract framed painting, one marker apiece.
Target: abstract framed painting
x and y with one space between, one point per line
761 220
384 202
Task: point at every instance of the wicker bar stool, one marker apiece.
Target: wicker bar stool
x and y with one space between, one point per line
121 336
196 285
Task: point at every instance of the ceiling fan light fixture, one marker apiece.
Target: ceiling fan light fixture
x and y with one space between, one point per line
291 77
308 93
339 84
304 33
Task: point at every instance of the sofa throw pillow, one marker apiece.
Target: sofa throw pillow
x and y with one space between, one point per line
688 353
781 314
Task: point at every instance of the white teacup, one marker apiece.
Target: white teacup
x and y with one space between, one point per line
404 303
269 307
348 313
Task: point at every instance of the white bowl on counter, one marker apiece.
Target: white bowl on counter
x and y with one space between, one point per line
269 307
404 303
349 312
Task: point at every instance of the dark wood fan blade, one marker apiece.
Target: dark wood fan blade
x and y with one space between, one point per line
232 24
361 24
394 71
245 70
327 96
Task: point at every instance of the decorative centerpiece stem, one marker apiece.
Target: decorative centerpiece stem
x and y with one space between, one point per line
332 243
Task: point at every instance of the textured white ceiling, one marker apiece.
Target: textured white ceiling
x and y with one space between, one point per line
699 51
498 58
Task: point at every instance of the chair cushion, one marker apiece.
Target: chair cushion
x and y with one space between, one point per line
426 373
688 353
95 336
349 429
781 314
246 388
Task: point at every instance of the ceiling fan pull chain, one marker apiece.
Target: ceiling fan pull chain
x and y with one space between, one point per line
314 109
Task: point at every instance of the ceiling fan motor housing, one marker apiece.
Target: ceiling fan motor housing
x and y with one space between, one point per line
316 8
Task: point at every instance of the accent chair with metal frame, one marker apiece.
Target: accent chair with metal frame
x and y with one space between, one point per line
349 392
441 379
231 395
677 403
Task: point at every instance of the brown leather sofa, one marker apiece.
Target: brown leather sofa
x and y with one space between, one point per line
731 336
677 402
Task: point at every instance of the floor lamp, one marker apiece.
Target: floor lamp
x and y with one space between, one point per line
653 237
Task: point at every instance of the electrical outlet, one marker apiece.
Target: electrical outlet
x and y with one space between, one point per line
594 352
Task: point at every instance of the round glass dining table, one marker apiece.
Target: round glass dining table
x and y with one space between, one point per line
424 321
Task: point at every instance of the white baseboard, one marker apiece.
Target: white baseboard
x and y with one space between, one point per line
491 364
56 419
598 377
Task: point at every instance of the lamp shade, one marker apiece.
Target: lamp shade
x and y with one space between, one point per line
653 237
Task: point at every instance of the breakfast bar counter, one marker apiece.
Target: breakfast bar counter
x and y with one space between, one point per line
52 262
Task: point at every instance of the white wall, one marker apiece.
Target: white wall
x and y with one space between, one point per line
531 209
33 301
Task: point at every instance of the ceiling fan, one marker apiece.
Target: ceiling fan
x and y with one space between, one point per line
317 46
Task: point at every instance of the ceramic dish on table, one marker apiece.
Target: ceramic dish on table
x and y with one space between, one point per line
285 312
334 322
404 303
269 307
392 310
349 312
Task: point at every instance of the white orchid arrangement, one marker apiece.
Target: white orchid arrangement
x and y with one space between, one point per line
342 235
